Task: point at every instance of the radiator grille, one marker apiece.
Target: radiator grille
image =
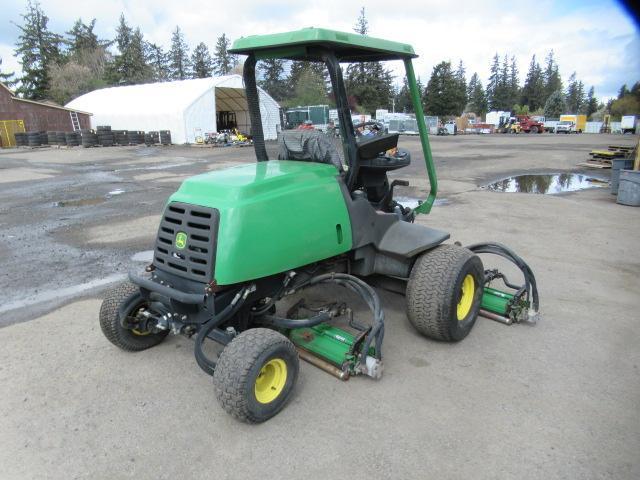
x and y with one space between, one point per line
186 241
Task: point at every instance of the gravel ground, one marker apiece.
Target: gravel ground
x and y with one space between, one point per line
558 400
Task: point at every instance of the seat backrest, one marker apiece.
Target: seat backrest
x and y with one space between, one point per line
309 146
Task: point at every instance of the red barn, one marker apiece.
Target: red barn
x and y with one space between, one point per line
35 116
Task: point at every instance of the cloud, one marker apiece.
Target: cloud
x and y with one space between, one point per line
596 39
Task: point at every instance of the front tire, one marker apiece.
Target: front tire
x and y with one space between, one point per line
256 374
444 292
124 338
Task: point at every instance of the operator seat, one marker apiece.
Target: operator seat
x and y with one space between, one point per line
309 146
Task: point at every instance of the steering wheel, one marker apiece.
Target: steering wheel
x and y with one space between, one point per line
376 127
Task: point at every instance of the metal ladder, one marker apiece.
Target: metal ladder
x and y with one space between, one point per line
74 121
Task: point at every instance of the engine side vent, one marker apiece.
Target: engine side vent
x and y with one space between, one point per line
186 241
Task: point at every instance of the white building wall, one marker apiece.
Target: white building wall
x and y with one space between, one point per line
183 107
200 117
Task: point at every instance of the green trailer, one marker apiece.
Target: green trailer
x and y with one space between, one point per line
318 115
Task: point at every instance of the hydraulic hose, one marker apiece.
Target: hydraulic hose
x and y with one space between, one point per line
370 297
227 312
290 323
530 285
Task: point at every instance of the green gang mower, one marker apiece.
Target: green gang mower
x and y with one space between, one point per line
233 243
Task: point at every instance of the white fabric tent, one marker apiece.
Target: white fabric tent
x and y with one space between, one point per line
186 107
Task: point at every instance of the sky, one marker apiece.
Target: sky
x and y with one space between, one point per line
596 39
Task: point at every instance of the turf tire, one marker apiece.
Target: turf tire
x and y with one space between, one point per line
238 367
110 323
434 290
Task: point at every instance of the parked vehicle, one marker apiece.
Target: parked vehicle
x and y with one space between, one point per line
579 121
530 125
628 124
550 125
565 126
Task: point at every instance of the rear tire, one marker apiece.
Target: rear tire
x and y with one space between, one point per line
444 292
256 374
129 340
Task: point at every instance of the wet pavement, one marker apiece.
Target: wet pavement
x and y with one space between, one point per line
73 217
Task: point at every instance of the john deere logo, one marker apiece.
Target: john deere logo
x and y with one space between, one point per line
181 240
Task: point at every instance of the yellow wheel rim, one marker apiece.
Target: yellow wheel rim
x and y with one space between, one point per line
271 380
466 298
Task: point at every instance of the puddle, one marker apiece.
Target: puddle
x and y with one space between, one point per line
546 184
411 202
153 167
83 202
146 256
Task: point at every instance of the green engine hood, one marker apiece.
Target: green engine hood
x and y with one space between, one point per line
274 216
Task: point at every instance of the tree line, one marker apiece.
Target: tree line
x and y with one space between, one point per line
297 83
61 67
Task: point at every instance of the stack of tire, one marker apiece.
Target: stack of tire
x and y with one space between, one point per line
52 137
105 135
44 139
21 139
72 139
154 137
88 138
61 138
165 137
34 139
120 137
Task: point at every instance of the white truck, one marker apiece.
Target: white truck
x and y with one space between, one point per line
628 124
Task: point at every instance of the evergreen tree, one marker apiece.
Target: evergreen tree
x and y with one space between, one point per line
223 61
555 105
513 83
179 64
37 49
130 64
403 101
477 98
201 61
8 78
533 93
461 97
503 97
158 61
311 88
592 103
552 80
295 71
370 83
575 95
441 91
623 91
493 86
81 38
273 81
84 65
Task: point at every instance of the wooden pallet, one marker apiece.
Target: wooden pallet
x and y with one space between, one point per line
596 163
607 154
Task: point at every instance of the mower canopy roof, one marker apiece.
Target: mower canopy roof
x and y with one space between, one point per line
303 45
